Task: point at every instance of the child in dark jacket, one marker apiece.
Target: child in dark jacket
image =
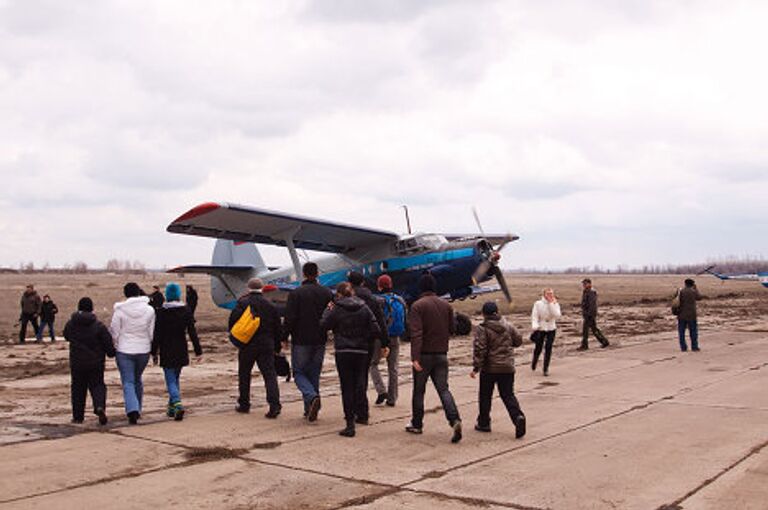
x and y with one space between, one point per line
89 341
354 331
172 325
494 358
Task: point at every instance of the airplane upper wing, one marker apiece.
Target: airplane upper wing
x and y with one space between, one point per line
494 239
249 224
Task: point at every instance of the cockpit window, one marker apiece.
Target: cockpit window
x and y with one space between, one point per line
420 242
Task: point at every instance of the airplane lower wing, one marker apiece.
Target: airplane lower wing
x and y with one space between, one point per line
261 226
208 269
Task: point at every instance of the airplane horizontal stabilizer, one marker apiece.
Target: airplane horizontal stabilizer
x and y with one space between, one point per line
210 269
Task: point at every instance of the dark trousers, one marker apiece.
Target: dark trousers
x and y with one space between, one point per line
353 376
545 339
435 367
506 385
692 328
41 331
264 358
590 324
27 318
83 381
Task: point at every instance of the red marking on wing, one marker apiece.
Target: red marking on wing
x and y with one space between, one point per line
198 211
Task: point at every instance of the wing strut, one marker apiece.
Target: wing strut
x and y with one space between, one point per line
288 236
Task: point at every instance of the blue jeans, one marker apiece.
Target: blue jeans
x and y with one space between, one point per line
131 367
694 331
50 330
172 376
307 361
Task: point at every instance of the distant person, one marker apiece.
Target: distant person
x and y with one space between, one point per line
395 317
133 327
30 309
544 315
260 350
589 313
173 322
354 330
431 324
686 318
303 311
89 342
156 299
48 311
191 297
374 304
493 356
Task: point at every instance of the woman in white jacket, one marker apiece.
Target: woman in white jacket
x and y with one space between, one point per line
545 313
133 324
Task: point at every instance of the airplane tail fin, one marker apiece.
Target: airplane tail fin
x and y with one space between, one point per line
232 265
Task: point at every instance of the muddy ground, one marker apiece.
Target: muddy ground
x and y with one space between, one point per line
34 378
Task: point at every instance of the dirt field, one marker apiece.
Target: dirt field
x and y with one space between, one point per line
34 379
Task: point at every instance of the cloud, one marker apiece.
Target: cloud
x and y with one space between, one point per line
603 133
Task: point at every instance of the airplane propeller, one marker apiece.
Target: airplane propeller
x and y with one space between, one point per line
491 261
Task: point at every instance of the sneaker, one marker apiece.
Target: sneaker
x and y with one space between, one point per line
456 431
240 408
273 413
696 349
603 346
381 398
179 412
582 348
413 430
314 408
133 417
77 421
348 431
102 416
170 411
391 403
520 426
482 428
546 373
361 421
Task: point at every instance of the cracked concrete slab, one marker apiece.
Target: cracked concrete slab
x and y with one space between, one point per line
744 487
224 484
52 465
641 460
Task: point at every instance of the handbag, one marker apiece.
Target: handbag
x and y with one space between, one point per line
535 335
676 303
282 367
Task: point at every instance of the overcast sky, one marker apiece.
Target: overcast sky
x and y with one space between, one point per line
601 132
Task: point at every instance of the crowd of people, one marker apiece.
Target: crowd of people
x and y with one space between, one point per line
367 328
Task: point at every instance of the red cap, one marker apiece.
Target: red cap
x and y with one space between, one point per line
384 282
269 288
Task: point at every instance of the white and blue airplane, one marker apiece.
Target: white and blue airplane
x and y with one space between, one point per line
459 263
760 276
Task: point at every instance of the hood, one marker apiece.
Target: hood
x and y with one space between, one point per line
496 324
83 318
133 307
352 303
173 304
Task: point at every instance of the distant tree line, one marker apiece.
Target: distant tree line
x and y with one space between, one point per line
728 265
80 267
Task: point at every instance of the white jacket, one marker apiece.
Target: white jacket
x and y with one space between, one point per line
133 324
544 315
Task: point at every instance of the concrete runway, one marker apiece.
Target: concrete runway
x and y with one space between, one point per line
640 426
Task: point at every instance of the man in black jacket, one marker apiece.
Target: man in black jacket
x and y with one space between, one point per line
589 314
261 349
48 311
191 299
30 309
156 299
303 311
89 340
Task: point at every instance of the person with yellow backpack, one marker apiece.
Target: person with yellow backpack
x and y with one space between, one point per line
255 329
